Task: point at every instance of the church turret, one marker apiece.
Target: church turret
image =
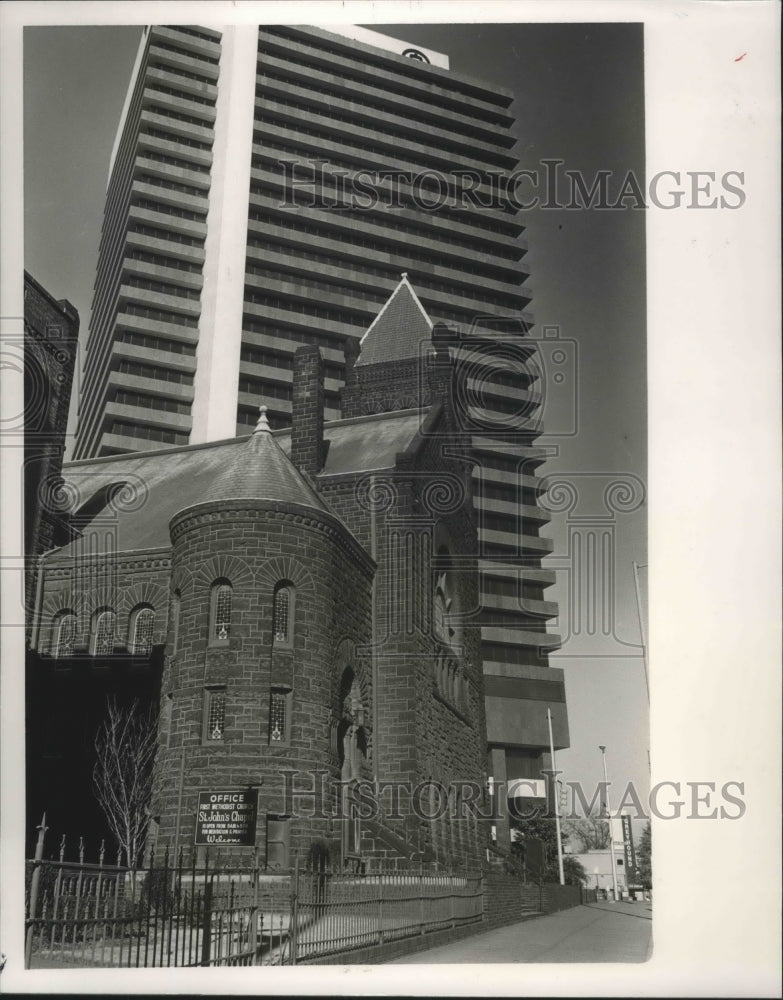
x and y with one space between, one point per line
270 599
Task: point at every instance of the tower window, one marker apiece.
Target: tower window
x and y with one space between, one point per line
214 714
105 633
66 634
279 715
283 614
220 630
143 626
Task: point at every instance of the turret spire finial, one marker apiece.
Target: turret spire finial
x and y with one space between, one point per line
263 423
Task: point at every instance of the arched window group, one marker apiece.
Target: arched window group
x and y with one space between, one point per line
221 613
103 633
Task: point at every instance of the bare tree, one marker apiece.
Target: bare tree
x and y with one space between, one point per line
589 833
122 777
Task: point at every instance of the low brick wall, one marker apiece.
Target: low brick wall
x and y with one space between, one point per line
559 897
503 901
551 897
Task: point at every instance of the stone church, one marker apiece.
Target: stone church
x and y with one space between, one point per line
302 605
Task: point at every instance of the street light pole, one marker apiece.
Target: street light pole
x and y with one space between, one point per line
556 797
636 568
609 820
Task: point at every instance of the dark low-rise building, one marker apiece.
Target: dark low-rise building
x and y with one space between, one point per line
51 329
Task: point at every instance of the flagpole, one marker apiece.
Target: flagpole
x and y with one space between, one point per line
556 797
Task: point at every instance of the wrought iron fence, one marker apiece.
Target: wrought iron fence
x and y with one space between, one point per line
173 914
168 913
338 912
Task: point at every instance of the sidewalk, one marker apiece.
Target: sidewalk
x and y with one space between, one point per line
598 932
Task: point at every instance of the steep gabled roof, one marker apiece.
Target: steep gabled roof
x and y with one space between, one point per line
402 329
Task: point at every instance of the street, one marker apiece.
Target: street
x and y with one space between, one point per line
599 932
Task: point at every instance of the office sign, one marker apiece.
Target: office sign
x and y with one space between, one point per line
227 817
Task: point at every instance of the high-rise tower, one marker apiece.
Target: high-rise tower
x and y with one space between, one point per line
267 187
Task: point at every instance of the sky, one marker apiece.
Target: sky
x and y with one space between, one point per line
579 93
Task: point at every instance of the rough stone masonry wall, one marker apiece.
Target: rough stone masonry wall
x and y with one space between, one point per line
452 735
254 547
419 735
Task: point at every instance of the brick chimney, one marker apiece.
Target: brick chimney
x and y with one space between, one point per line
308 451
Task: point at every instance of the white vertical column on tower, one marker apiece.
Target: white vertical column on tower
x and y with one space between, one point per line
216 382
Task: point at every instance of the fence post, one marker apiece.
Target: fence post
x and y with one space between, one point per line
422 882
35 880
380 883
253 930
206 934
294 911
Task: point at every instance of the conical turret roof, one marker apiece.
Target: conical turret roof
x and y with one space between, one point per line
400 330
261 471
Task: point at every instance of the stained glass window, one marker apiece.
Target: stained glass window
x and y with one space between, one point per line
281 613
66 635
222 617
143 626
278 706
216 713
104 633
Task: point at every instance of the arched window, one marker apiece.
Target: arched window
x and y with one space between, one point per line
283 614
280 715
104 633
220 627
65 634
143 624
445 603
439 616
